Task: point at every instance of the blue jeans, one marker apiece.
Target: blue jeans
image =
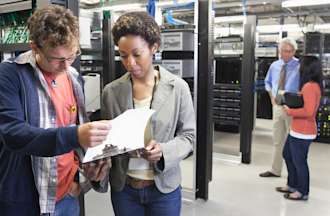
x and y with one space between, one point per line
295 153
67 206
148 201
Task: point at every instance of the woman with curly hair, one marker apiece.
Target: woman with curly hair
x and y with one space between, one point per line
148 184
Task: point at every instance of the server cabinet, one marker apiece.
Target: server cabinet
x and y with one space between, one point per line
317 44
233 103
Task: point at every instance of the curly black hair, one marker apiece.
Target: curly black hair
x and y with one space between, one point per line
139 24
53 26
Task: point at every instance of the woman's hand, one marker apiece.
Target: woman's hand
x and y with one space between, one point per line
153 152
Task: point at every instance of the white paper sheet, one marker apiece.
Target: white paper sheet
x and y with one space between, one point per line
126 134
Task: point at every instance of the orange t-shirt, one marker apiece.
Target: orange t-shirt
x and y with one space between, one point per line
61 92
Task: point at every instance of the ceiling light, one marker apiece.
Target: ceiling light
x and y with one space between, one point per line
229 19
172 3
90 2
324 26
119 7
300 3
123 7
278 28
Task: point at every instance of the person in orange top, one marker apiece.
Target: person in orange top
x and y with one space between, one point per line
303 130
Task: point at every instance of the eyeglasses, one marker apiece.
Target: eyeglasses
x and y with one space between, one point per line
56 60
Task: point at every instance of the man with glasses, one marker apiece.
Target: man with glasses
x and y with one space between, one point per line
41 105
59 60
283 75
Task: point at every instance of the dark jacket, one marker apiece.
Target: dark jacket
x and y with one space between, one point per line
21 137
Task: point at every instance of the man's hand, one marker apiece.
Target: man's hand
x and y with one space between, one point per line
285 108
75 189
97 170
153 152
272 99
93 133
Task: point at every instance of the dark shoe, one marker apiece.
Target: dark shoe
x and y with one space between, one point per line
284 190
268 174
291 197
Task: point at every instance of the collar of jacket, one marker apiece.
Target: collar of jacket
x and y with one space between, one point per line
77 81
28 58
163 89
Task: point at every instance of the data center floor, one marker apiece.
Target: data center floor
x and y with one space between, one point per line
236 189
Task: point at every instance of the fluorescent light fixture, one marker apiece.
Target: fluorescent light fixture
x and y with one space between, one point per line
120 7
229 19
324 26
123 7
278 28
162 4
269 28
91 2
300 3
172 3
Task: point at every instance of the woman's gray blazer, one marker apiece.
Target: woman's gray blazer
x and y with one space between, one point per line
173 126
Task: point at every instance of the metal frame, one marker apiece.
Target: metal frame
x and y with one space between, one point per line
205 73
247 89
15 6
108 53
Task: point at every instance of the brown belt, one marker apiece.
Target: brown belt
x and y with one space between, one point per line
138 183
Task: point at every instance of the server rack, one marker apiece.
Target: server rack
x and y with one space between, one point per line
264 105
317 44
22 10
227 93
177 52
323 114
233 107
13 17
266 53
313 43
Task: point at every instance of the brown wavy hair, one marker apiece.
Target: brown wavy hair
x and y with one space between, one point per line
139 24
54 26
